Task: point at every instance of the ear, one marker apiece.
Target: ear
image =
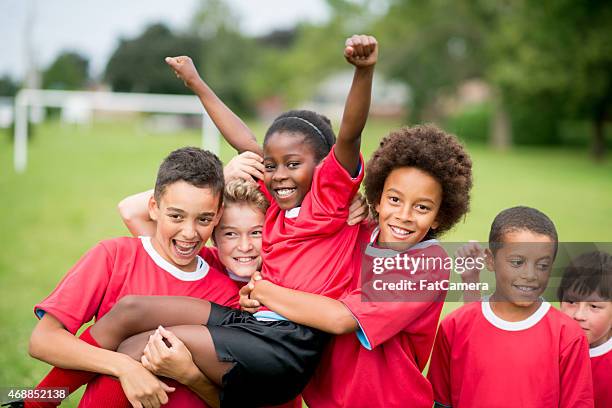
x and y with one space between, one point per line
377 207
435 224
489 259
218 216
153 209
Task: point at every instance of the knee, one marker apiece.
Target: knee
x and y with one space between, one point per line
129 310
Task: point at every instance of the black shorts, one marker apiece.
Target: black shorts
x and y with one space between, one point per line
273 360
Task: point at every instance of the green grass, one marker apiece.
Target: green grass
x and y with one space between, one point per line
66 202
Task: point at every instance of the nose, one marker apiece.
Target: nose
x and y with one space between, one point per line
406 213
189 231
244 245
580 313
529 272
280 173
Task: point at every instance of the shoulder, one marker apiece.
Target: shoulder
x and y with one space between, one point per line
119 245
564 326
463 315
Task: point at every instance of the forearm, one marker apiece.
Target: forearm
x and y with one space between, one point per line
233 129
60 348
354 118
134 213
204 388
319 312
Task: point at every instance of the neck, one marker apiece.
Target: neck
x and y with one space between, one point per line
511 312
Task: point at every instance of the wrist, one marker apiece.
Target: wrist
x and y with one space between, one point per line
260 291
191 377
122 365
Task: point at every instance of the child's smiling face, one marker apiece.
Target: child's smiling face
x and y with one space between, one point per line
408 207
238 238
522 267
289 164
592 313
185 216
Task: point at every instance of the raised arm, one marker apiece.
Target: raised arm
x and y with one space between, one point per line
362 52
311 310
134 212
229 124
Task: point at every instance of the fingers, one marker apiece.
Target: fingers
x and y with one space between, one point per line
251 155
360 46
171 337
256 276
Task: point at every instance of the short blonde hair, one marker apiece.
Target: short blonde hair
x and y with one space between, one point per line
240 191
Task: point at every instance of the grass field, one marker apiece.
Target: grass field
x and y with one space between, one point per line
66 202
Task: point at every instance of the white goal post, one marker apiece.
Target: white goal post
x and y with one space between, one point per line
87 102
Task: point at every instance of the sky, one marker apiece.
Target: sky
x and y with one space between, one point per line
93 28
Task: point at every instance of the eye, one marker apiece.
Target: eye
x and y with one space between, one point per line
293 165
175 217
422 208
516 262
256 233
269 166
594 306
205 221
394 200
230 234
543 266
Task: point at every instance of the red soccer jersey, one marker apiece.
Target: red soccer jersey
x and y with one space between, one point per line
381 365
601 365
128 266
310 248
480 360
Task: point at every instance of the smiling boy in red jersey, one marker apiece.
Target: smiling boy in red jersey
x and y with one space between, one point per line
187 207
514 349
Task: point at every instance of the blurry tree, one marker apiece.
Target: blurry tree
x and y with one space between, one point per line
137 65
226 55
555 56
69 71
8 87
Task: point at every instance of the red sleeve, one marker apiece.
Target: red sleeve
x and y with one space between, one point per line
77 297
333 187
439 369
576 376
380 321
264 190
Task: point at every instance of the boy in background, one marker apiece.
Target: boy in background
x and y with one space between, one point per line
586 296
513 349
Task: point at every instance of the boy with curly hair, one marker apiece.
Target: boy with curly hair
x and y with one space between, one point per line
417 183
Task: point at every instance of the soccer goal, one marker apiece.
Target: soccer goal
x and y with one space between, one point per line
78 106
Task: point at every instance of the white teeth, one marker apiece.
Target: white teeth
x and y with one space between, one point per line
525 288
245 259
285 192
399 231
185 248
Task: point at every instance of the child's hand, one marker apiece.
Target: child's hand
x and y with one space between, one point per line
246 165
471 250
358 211
246 303
142 388
173 362
361 50
184 69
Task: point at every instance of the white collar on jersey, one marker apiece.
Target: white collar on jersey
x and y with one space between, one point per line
371 250
514 326
235 277
200 272
601 349
292 213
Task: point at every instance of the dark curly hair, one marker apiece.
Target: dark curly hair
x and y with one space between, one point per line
198 167
433 151
316 128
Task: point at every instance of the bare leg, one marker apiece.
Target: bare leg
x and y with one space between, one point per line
199 342
137 314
